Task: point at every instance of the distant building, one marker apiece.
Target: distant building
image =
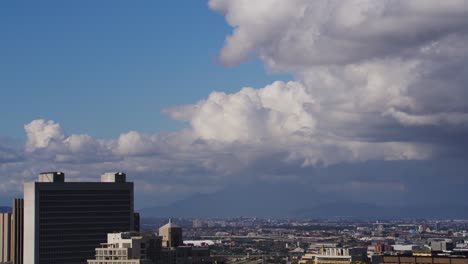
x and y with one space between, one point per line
377 249
442 245
136 222
422 228
17 225
175 252
308 258
199 243
137 248
65 221
5 237
189 255
336 255
197 223
171 235
417 260
128 248
406 248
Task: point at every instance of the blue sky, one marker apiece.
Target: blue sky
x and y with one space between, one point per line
107 67
83 84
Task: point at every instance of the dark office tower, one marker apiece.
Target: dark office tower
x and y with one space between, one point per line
17 220
65 221
136 222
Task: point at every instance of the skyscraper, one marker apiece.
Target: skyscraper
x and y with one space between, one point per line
17 220
65 221
5 236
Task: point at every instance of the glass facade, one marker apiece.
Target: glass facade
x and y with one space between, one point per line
74 218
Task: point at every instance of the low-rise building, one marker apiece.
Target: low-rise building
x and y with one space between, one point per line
441 245
378 249
128 248
336 255
167 248
418 260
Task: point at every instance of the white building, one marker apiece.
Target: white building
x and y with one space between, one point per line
128 248
199 243
336 255
406 247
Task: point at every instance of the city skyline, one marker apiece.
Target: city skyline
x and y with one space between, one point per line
356 101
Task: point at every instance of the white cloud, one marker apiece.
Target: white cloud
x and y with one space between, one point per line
363 66
133 143
47 141
298 33
367 74
278 110
42 134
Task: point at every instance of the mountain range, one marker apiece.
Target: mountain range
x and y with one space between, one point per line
278 201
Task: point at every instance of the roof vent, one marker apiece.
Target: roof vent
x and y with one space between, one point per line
52 177
113 177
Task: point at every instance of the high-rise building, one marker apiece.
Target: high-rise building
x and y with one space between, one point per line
171 235
17 220
5 237
65 221
136 222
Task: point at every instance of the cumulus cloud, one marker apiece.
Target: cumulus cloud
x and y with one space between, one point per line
286 118
280 109
373 80
300 33
361 66
42 134
46 140
365 72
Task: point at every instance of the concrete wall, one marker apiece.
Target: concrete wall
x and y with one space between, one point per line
5 237
30 235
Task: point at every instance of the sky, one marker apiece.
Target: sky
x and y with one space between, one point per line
359 100
68 62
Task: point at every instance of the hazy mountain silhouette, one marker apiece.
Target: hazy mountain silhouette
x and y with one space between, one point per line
280 201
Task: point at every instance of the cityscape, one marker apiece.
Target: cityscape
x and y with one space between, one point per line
234 132
95 222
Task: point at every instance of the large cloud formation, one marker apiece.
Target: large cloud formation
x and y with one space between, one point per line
373 80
